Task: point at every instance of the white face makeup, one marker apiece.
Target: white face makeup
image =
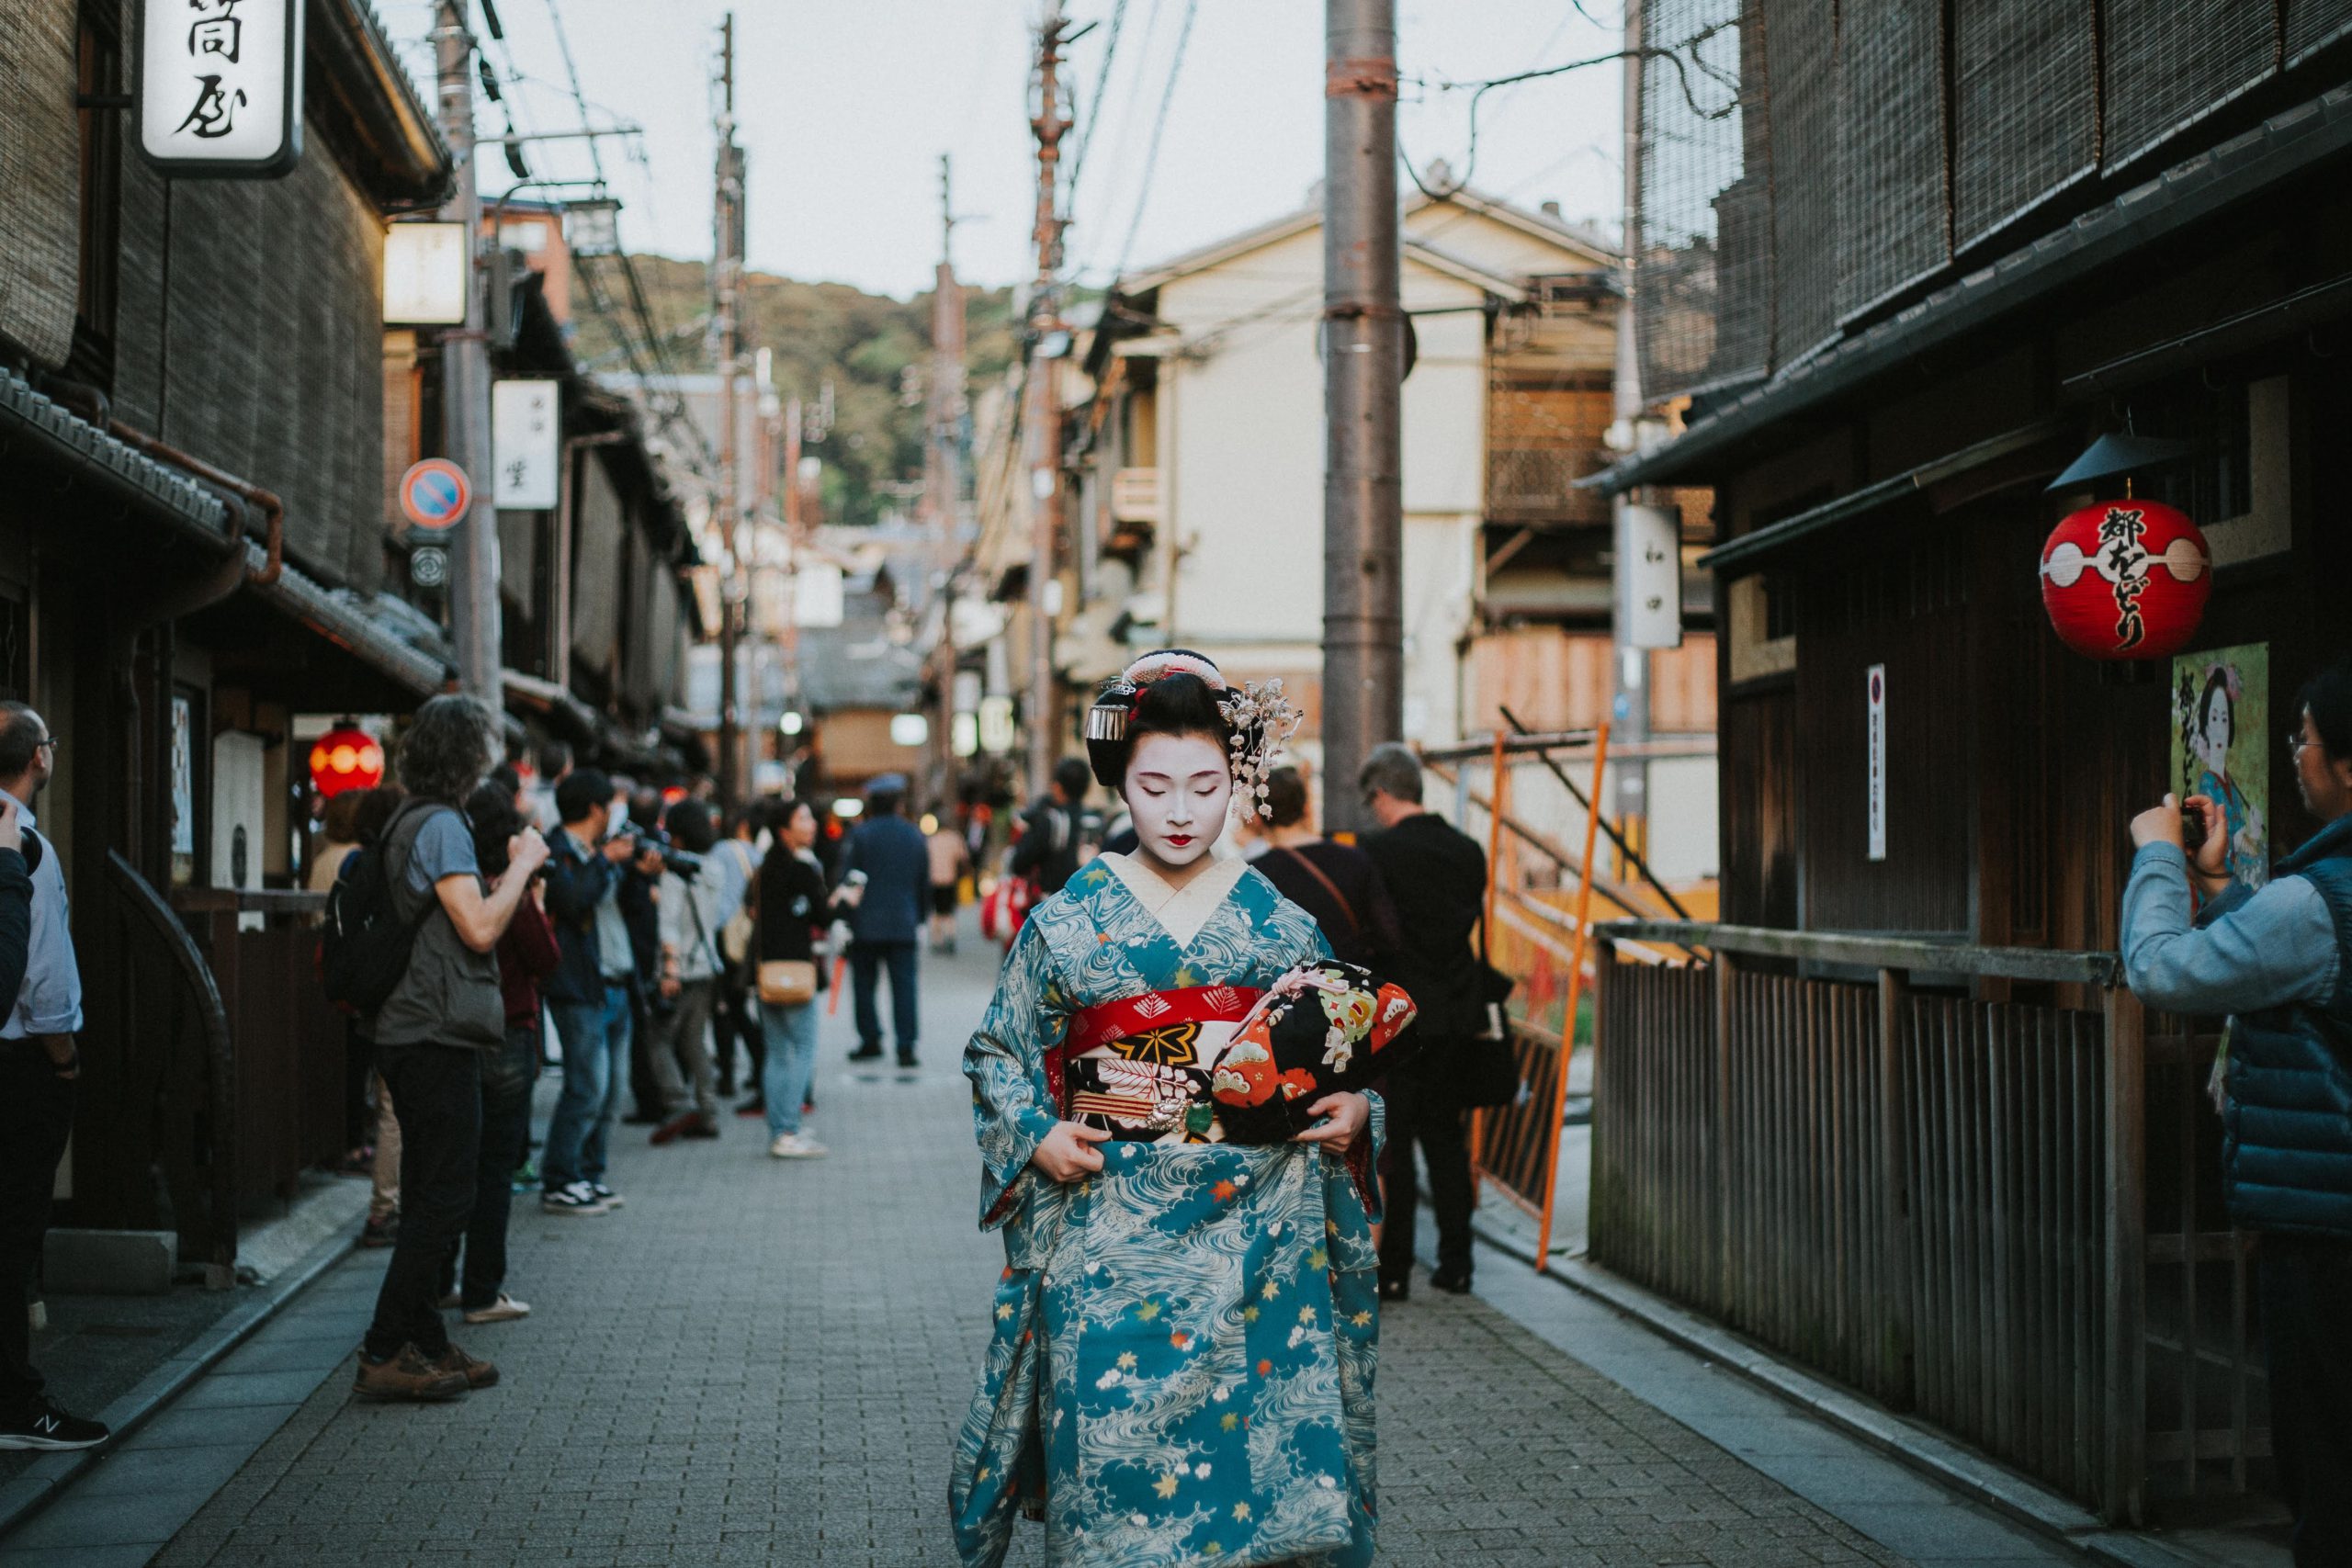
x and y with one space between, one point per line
1178 791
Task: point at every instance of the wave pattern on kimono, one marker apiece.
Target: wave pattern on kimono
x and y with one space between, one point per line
1183 1349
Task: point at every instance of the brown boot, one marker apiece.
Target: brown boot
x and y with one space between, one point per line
407 1376
477 1372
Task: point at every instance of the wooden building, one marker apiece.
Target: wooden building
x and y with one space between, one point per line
200 420
1906 264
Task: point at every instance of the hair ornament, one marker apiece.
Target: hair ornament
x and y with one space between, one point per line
1260 716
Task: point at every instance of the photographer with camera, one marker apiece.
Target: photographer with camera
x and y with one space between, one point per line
589 994
694 904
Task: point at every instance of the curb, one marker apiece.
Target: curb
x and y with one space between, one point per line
1947 1463
26 1495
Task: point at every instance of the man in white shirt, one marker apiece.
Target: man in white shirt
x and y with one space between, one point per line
39 1066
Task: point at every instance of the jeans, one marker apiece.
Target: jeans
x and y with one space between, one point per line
865 961
36 1117
596 1061
2305 1282
791 1062
507 1075
681 1051
436 1093
1427 1115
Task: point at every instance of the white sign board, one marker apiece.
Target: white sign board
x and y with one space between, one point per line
426 269
1878 761
1649 574
220 86
818 594
526 444
996 731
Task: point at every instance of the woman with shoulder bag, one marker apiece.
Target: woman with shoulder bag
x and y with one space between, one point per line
792 914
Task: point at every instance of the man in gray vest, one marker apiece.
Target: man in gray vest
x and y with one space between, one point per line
446 1010
2276 961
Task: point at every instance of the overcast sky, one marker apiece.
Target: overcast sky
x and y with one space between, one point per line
845 106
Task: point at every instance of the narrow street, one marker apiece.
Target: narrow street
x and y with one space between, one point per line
763 1362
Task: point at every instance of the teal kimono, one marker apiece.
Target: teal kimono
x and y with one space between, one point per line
1182 1351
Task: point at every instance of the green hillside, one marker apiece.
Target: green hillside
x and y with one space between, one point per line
865 344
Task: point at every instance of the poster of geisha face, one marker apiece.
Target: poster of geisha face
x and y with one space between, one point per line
2221 711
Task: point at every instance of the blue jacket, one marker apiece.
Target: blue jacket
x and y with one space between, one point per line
897 862
577 882
2287 1146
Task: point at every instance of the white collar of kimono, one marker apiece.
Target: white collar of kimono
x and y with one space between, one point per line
1181 912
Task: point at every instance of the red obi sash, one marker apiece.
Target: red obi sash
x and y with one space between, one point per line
1140 1015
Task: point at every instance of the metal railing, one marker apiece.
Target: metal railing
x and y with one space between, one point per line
1937 1198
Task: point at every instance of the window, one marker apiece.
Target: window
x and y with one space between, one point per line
98 77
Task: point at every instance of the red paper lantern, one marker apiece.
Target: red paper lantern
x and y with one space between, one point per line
2126 580
346 757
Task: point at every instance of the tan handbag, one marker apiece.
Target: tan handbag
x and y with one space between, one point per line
787 982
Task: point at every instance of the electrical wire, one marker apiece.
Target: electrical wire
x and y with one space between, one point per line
1094 110
1151 152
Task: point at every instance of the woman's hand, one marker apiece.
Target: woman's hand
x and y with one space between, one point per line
1344 1116
2209 867
1067 1153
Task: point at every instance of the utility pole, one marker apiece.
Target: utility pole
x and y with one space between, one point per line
1045 399
727 324
1364 366
474 609
942 480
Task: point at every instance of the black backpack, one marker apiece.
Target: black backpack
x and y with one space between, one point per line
365 946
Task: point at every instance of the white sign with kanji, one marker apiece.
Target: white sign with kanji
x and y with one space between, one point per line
526 444
220 86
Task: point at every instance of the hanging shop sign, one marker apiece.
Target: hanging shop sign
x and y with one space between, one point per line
527 441
220 90
427 268
346 757
435 495
1877 762
1649 577
2126 580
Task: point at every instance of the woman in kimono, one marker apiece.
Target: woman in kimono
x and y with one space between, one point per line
1186 1329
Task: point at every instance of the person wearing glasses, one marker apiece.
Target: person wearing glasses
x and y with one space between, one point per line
2275 961
39 1069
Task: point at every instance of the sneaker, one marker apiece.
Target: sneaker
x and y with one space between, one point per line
407 1376
577 1198
867 1054
505 1309
701 1127
754 1106
477 1372
605 1195
41 1425
382 1232
670 1132
451 1301
795 1145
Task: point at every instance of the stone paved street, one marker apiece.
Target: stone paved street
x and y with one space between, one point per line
764 1363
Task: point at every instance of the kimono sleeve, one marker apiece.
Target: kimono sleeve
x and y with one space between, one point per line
1011 1105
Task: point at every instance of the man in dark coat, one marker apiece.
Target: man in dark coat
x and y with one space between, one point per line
1441 876
1048 852
885 915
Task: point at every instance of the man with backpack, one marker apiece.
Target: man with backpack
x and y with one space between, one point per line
419 887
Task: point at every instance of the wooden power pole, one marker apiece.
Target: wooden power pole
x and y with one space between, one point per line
475 612
1047 346
1363 363
727 324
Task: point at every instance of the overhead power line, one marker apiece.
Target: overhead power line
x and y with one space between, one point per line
1151 152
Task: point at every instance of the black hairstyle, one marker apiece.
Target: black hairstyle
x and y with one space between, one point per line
582 791
885 802
689 822
2217 684
490 811
1073 774
339 823
554 760
2327 697
1177 703
448 748
1285 798
507 778
375 810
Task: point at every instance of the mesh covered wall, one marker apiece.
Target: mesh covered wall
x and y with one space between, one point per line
1891 149
2024 100
2168 62
1801 64
1701 259
2314 23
